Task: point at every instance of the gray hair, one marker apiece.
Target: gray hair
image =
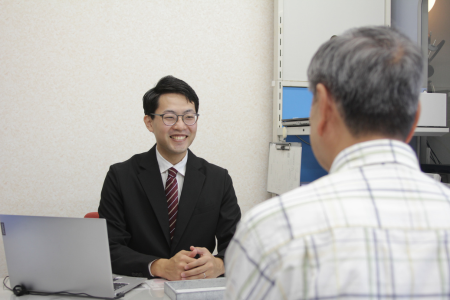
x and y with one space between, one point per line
374 75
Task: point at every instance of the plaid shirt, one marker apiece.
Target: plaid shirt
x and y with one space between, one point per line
376 228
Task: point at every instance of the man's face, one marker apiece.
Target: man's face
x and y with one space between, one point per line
172 141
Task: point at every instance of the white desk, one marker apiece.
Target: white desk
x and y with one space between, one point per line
139 293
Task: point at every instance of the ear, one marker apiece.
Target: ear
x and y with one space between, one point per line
148 123
416 120
325 107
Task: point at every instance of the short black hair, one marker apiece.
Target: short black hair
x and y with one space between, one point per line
167 85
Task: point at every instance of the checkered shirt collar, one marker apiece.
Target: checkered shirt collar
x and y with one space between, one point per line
375 152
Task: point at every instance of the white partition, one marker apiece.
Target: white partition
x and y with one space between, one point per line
306 24
301 26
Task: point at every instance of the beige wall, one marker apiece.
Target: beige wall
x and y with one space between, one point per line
72 76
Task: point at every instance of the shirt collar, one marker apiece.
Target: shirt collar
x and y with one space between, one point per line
164 165
374 153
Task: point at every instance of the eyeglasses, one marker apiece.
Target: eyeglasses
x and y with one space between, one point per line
170 119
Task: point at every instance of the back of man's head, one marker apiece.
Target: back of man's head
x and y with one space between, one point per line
374 74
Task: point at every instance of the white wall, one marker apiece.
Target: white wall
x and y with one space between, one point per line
72 76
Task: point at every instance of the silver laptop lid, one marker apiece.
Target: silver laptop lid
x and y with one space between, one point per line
52 254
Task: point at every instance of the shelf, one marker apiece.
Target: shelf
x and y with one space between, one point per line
430 131
420 131
302 130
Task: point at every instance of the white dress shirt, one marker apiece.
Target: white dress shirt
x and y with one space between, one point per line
164 167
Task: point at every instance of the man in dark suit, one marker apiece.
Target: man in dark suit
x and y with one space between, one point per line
166 207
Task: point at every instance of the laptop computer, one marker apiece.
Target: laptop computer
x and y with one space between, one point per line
54 254
295 122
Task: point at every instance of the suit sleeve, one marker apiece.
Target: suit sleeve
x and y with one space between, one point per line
230 214
124 260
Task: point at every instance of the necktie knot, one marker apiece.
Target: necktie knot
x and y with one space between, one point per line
172 172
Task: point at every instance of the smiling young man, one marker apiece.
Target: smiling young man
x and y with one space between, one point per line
165 208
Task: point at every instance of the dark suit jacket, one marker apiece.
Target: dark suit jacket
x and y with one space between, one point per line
134 204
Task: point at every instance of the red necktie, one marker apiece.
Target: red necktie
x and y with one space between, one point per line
172 199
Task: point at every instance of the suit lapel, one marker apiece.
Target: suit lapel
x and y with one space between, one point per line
151 182
192 186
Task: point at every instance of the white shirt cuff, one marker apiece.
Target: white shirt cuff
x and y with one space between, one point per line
150 267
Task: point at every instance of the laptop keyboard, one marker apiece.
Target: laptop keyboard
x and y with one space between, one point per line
118 285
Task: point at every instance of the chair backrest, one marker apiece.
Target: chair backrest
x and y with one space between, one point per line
93 215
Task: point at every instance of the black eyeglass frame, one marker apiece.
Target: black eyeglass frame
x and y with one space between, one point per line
182 118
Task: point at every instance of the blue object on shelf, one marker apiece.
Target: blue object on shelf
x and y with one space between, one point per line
310 169
296 102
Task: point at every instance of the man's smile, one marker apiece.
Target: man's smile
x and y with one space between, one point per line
178 137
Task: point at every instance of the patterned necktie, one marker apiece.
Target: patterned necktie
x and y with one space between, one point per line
172 199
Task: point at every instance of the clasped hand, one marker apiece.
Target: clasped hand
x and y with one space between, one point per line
206 266
184 266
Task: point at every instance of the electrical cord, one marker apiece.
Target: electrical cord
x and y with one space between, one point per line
433 155
4 283
303 140
432 159
20 290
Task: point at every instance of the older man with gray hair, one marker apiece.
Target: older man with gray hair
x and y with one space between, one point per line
376 227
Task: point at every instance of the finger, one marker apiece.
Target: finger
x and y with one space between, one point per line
197 272
186 254
193 253
187 259
201 250
196 263
183 252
